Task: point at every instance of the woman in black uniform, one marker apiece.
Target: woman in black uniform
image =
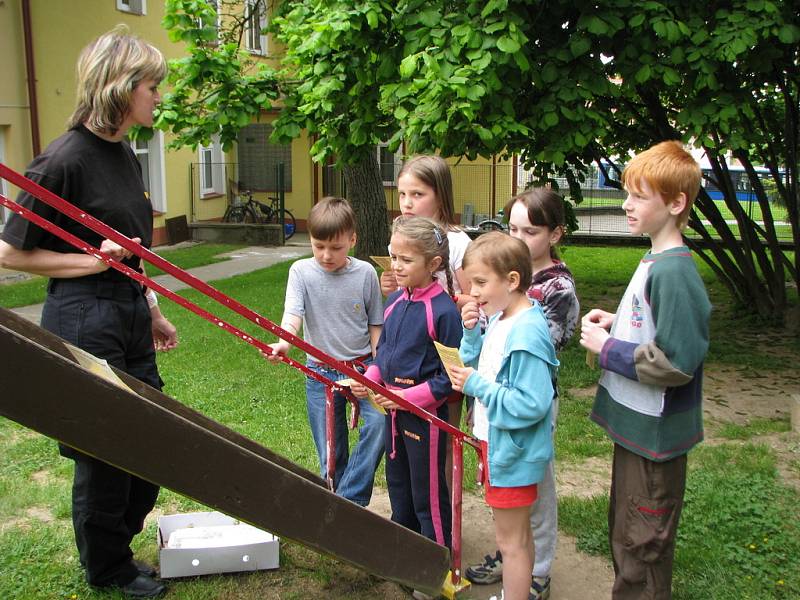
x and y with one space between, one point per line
90 305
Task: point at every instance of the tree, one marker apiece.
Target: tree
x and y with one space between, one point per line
568 84
337 57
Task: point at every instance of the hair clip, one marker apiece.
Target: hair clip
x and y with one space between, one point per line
438 235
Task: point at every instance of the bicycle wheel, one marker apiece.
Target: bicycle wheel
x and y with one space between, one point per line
234 214
491 225
250 215
289 224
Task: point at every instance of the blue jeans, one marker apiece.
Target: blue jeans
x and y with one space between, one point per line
355 473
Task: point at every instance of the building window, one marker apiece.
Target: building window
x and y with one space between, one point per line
259 159
135 7
256 22
389 164
150 155
212 169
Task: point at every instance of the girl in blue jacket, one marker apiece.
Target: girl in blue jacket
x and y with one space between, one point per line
514 392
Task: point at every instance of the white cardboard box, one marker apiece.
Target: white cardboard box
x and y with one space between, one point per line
186 562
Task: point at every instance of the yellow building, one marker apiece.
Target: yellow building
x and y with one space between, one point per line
40 41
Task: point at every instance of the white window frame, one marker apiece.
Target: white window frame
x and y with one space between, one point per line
217 184
3 184
157 172
397 164
134 7
256 29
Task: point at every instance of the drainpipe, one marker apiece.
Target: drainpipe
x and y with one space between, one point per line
30 72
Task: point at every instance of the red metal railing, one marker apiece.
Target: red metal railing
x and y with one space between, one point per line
457 437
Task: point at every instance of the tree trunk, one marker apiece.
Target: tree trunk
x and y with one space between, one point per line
365 192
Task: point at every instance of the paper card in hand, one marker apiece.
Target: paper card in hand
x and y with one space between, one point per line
370 394
450 357
384 262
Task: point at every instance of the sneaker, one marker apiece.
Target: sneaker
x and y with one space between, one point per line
488 572
540 588
417 595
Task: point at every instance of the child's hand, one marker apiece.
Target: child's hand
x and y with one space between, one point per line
359 390
593 337
598 318
277 349
470 314
383 401
459 376
388 282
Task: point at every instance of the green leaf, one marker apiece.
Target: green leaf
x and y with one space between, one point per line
579 46
550 119
789 34
643 74
372 19
508 45
636 20
408 66
597 26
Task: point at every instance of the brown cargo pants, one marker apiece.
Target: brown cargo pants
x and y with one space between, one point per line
646 503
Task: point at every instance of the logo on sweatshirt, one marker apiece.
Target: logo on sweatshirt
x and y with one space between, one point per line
636 313
404 380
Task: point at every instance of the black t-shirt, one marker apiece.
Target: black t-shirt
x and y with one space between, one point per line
100 177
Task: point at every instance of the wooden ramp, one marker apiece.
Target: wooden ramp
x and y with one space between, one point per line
157 438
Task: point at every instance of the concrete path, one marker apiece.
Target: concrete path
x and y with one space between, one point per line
244 260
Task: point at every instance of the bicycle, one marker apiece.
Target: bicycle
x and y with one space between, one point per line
254 211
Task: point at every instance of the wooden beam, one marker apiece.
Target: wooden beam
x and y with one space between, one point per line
155 437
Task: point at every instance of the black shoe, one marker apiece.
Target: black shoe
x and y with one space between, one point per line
144 568
143 587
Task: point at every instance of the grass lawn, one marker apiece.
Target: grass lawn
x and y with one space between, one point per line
741 525
33 291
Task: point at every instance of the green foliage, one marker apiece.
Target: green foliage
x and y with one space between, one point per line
217 88
338 55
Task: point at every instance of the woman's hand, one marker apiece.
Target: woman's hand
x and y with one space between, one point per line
598 318
115 251
459 376
165 336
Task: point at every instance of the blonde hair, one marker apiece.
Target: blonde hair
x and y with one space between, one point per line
108 71
330 218
503 254
668 170
429 239
435 172
545 209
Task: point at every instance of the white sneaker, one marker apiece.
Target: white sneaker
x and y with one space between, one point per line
417 595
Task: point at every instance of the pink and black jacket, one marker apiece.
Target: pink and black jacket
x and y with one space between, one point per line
406 358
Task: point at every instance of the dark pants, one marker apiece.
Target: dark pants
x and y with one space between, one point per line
415 475
110 320
646 503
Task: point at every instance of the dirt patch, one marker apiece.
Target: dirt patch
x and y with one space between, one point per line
736 396
33 515
585 479
575 576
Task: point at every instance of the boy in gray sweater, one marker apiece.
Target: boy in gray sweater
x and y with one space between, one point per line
337 300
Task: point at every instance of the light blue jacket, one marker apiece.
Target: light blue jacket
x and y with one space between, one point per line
519 403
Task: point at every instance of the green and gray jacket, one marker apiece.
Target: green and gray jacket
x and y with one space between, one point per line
649 399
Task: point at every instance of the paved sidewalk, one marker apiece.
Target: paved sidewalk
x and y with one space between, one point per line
241 261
